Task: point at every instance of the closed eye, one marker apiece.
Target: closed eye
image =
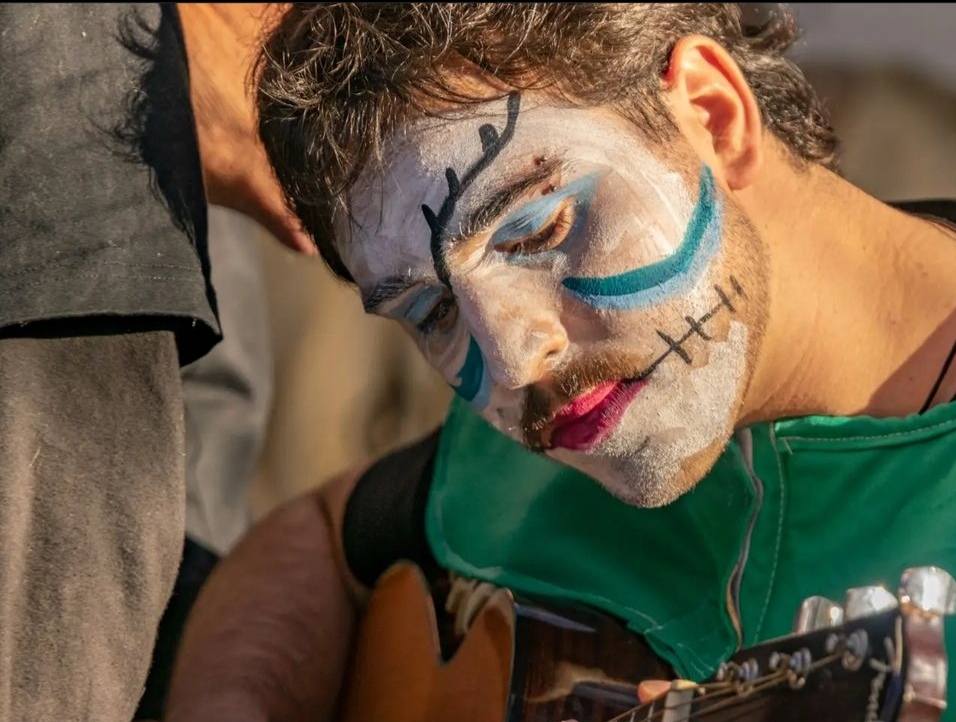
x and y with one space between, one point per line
549 236
438 316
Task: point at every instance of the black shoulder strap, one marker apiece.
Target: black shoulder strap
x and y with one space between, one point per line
385 515
936 207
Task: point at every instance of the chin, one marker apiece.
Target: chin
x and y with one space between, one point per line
644 475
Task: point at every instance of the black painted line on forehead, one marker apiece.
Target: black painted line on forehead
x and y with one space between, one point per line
492 143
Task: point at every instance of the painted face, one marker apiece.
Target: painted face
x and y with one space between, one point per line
584 296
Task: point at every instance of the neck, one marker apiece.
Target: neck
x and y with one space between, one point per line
862 311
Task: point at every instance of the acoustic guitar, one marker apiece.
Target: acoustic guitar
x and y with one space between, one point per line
878 657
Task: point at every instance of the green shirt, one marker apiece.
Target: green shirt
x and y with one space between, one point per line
791 509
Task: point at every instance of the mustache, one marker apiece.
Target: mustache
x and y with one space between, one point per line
543 402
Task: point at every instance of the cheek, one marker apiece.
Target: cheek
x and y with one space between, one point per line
649 261
457 357
445 352
627 227
670 317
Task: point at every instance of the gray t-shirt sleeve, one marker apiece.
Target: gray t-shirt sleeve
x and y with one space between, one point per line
91 519
102 211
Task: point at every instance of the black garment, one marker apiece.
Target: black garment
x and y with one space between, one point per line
385 516
104 292
102 210
196 566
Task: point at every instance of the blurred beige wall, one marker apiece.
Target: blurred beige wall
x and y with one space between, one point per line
897 127
349 387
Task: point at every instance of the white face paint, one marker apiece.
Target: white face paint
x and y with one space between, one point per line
589 309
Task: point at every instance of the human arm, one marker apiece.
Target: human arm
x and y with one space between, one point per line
270 633
269 636
222 41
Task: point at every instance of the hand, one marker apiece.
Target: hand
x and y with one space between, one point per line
221 44
652 689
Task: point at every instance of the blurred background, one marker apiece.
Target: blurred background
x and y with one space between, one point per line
344 388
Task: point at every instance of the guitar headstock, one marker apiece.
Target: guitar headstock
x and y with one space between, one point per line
875 657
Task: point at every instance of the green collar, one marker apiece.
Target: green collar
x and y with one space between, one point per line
777 517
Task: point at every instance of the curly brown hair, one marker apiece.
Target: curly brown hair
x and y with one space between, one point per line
334 79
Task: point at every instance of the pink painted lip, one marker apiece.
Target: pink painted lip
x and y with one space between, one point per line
591 417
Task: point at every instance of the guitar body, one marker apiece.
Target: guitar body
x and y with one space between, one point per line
516 663
523 662
398 674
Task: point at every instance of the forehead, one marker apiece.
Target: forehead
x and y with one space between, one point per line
388 234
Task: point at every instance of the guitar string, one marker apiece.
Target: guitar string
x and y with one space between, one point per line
732 703
727 688
772 680
758 685
627 715
770 684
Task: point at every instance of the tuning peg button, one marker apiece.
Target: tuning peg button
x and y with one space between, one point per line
817 613
867 601
929 589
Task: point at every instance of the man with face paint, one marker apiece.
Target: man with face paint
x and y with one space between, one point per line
580 294
618 233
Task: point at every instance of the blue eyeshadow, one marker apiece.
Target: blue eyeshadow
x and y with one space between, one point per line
534 215
422 304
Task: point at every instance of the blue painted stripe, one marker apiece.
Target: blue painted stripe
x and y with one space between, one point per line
533 215
674 274
472 385
681 283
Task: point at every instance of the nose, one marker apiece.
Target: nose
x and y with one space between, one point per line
521 345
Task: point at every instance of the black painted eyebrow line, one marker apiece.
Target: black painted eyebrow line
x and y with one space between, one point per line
387 290
492 142
500 200
394 286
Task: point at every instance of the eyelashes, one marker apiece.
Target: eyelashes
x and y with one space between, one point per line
543 224
548 237
440 314
539 226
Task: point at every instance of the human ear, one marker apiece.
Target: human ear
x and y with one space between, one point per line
715 109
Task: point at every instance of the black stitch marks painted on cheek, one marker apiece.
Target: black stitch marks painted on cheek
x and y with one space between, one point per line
697 327
738 289
724 299
491 145
676 346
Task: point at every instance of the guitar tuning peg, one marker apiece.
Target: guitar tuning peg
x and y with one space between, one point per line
929 589
817 613
866 601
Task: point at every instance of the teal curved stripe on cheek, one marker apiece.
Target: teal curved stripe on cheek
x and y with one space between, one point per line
473 384
669 276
